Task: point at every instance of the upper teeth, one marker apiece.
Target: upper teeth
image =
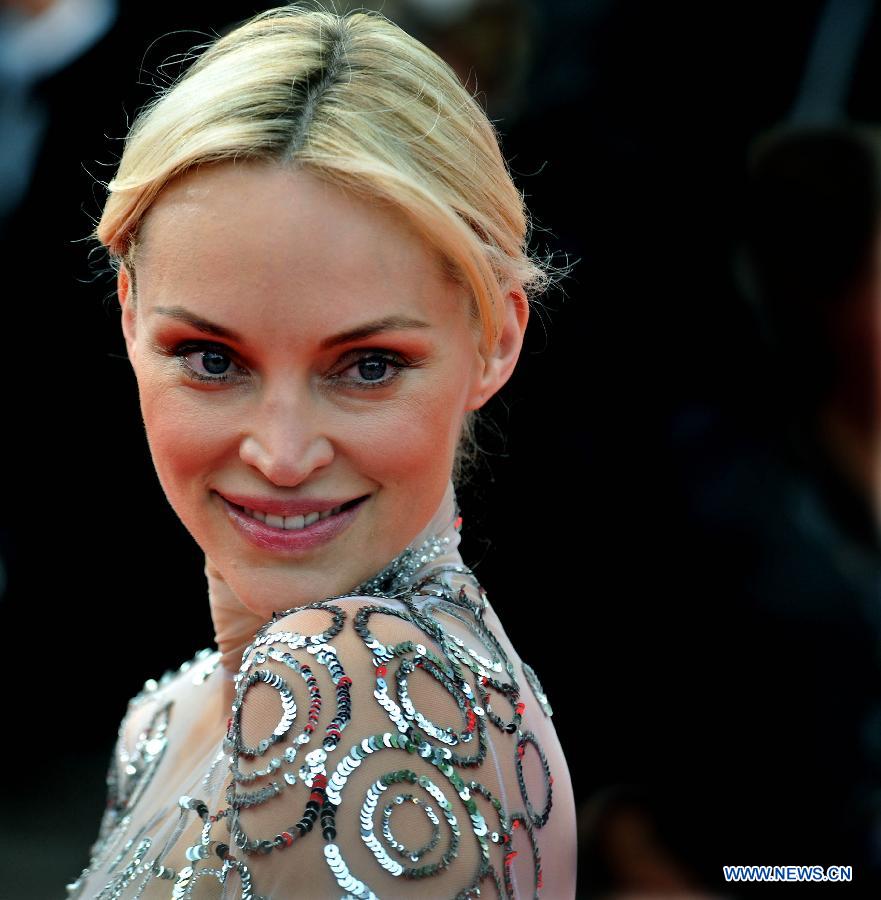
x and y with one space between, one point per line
291 523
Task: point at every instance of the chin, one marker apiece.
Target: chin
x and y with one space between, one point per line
273 588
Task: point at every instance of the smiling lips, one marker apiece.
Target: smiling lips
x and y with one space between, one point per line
289 524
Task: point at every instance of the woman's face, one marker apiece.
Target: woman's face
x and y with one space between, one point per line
292 343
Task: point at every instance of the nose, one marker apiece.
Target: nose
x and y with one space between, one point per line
286 440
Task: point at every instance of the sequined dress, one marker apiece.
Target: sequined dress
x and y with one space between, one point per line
389 742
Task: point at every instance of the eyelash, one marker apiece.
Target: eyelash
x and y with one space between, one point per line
180 351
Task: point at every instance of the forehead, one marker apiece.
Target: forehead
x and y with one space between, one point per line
218 202
232 231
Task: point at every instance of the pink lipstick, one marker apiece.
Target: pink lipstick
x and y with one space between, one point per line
298 536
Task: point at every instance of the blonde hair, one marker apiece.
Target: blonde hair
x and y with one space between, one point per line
360 103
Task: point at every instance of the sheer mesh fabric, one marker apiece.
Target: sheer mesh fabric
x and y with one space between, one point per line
175 743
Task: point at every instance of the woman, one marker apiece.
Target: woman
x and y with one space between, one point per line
322 275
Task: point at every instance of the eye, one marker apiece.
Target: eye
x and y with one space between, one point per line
374 369
215 361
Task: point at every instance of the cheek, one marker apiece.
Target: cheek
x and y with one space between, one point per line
412 441
412 445
424 438
183 437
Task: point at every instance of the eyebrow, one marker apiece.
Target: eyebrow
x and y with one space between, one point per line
368 329
389 323
197 322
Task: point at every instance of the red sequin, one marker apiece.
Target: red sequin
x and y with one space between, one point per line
288 838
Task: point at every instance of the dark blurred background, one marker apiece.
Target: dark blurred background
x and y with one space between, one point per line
689 452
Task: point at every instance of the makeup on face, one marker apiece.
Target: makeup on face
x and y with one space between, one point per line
304 366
